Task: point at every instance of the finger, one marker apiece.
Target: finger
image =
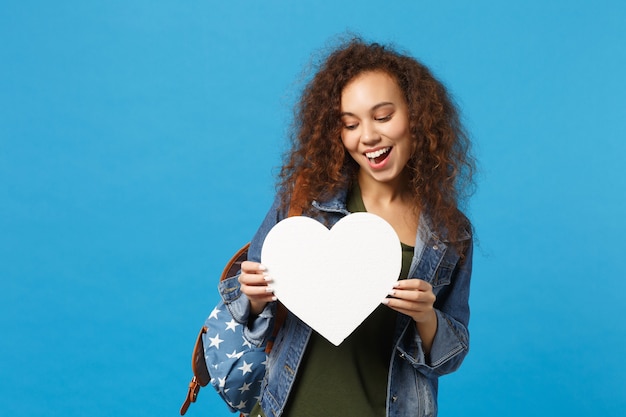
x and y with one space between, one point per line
252 273
409 308
250 267
406 307
413 284
257 291
415 296
254 279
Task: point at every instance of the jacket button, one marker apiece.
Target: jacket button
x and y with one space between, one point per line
394 398
435 247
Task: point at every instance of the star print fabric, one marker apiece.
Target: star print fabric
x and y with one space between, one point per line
236 366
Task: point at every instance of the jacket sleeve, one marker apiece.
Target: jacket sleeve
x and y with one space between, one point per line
451 342
256 329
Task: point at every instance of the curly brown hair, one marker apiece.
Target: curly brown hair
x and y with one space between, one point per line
441 167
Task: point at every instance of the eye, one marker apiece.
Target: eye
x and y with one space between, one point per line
384 118
350 126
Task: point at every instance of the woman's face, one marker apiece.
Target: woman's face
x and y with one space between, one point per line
375 126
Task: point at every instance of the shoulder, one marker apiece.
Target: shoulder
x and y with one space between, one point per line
464 230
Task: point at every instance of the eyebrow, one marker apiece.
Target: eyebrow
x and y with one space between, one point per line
376 107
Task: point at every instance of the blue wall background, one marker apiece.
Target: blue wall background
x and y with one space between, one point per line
138 144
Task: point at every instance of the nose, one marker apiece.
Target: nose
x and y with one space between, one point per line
369 134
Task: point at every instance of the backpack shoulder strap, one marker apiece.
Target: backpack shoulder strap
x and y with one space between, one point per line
234 265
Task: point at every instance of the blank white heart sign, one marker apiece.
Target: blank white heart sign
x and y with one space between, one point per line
332 279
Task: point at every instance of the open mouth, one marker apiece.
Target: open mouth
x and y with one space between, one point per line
378 156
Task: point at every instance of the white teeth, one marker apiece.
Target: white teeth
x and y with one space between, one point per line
376 154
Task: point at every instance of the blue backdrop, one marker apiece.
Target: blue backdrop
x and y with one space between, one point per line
138 146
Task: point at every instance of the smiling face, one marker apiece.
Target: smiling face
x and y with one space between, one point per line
375 127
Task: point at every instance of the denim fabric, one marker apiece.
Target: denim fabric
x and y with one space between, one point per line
413 377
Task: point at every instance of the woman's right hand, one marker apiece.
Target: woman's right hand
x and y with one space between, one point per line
255 285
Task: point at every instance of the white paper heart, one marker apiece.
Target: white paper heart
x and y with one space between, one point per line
332 279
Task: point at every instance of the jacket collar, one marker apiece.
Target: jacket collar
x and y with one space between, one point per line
338 202
334 204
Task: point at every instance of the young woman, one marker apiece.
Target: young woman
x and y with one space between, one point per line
375 132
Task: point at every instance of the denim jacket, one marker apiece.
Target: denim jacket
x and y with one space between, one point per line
413 376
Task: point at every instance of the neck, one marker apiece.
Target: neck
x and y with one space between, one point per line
383 192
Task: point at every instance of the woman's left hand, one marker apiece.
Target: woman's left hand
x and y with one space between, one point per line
413 297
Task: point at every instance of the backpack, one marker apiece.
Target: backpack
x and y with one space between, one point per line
201 375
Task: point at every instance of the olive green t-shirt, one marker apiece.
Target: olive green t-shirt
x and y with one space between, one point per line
349 379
